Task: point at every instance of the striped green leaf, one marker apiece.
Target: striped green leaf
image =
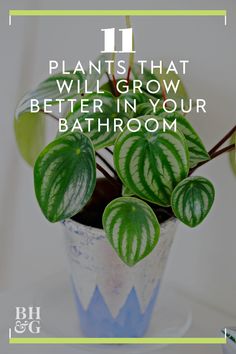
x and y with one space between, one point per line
171 76
192 200
107 134
30 131
65 176
109 86
134 99
144 77
48 89
181 92
130 96
151 164
146 108
132 228
197 150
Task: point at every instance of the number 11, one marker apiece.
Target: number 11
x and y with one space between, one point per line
109 40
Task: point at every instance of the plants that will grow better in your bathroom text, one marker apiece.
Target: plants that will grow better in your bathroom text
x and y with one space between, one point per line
153 167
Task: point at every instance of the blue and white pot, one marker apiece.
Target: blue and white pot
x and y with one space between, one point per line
114 300
230 347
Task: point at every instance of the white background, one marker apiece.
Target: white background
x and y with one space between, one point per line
202 261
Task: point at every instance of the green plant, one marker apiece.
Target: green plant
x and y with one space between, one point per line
153 167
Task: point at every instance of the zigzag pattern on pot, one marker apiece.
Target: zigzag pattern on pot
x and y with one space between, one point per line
99 322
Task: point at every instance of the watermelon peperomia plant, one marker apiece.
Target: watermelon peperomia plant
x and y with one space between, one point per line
152 167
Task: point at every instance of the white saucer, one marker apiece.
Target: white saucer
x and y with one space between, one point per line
171 318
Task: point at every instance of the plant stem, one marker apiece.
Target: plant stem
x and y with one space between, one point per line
222 151
49 114
113 57
163 92
128 21
111 83
131 55
223 140
117 94
214 152
115 182
213 156
107 164
128 75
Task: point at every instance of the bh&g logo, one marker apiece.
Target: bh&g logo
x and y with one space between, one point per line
27 319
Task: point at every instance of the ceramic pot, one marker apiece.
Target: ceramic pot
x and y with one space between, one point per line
114 300
230 347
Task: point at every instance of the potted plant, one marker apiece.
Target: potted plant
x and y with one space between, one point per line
119 228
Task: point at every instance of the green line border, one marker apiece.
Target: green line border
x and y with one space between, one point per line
221 13
215 13
129 341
